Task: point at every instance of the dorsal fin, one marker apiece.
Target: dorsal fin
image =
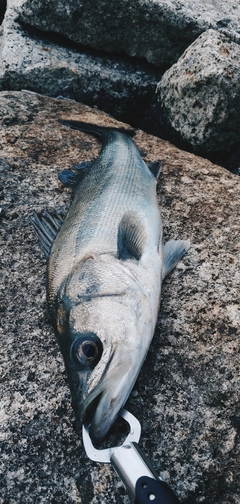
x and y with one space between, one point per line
131 237
46 225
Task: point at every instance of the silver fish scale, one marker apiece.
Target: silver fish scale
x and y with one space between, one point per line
118 189
118 181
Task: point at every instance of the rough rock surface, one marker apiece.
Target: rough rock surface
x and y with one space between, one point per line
200 94
157 30
28 61
187 394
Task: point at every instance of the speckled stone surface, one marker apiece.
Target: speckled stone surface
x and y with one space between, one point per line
200 94
157 30
187 394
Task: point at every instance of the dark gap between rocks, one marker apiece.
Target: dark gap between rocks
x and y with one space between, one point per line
135 106
139 64
3 6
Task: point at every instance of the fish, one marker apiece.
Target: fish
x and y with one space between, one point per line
106 264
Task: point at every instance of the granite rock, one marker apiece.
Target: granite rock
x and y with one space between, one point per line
28 60
187 394
200 94
157 30
198 100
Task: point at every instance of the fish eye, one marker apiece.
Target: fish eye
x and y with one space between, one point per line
89 350
86 351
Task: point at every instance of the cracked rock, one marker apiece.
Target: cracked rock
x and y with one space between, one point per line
156 30
30 60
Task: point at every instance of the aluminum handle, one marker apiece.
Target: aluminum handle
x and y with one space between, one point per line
139 477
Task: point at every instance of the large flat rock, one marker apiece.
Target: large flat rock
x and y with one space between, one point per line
187 394
157 30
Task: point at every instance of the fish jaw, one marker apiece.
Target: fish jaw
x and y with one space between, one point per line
102 405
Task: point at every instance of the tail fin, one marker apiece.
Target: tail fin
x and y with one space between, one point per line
94 128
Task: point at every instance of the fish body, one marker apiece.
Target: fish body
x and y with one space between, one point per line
105 269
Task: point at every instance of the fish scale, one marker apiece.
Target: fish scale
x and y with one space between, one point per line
103 205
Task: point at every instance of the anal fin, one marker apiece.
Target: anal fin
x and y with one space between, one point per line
173 251
46 225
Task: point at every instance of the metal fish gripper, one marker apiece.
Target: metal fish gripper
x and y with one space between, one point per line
136 473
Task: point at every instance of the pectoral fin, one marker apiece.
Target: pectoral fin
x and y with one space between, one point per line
131 237
72 177
173 251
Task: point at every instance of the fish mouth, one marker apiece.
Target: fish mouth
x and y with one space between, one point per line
99 414
100 408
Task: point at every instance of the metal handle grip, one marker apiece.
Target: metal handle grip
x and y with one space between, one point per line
139 477
154 491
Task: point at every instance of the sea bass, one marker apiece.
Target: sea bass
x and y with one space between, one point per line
106 262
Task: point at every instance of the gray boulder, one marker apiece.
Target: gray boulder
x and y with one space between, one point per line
157 30
200 94
27 61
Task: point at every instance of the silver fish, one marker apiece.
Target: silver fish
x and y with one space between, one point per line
106 262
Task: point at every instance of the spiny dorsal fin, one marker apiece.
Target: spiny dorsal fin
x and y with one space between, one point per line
46 225
131 237
173 251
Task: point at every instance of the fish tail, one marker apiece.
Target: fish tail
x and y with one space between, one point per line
99 131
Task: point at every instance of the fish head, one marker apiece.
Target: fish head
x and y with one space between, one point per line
105 344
